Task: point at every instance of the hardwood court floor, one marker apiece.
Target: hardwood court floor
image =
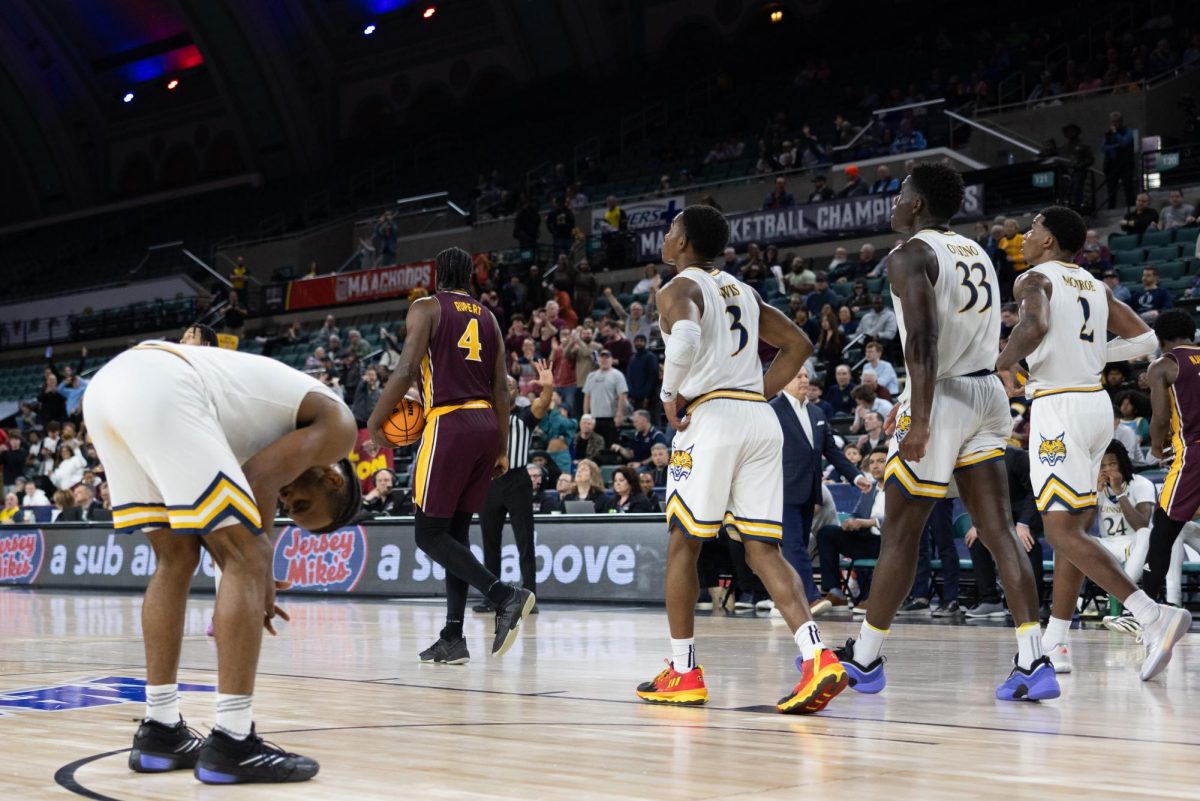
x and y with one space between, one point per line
557 718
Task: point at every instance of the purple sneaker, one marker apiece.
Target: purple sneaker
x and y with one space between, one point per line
869 679
1036 684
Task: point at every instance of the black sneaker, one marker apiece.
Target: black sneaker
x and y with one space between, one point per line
509 616
485 608
158 747
916 606
951 609
224 760
447 652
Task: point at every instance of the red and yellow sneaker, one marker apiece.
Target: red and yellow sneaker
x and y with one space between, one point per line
821 678
672 687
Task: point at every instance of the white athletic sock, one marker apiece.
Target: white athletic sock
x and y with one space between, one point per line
162 703
683 654
808 637
869 644
1055 633
1143 608
1029 644
235 715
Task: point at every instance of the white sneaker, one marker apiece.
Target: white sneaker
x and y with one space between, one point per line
1060 657
820 607
764 606
1161 636
1124 624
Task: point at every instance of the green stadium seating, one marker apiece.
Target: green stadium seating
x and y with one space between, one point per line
1187 238
1164 253
1171 270
1122 242
1134 256
1152 239
1131 274
607 472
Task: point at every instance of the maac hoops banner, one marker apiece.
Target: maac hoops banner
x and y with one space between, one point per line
384 282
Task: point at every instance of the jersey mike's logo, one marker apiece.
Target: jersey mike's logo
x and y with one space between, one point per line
322 562
1052 451
681 463
21 555
903 423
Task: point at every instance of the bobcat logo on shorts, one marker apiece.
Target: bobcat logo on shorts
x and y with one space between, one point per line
903 423
1052 451
681 464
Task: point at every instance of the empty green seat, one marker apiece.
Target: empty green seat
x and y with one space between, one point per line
1153 238
1186 237
1130 274
1134 256
1171 270
1123 242
1164 253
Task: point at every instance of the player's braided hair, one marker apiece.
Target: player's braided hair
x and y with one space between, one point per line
942 188
454 269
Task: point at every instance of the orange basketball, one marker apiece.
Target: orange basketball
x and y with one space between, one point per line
405 424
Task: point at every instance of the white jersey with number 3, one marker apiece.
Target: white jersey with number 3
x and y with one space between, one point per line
728 354
1073 353
967 303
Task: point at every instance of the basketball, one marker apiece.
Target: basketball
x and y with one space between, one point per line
404 425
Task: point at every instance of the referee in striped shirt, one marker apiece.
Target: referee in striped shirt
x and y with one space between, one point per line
512 493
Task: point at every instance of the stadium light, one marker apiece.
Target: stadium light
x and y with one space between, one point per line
776 16
128 98
369 29
429 12
172 84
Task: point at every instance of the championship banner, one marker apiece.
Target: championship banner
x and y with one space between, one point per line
396 280
867 214
368 459
645 215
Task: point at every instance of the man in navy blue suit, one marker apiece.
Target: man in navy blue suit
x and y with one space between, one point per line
806 437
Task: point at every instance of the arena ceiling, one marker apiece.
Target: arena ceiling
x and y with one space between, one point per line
89 86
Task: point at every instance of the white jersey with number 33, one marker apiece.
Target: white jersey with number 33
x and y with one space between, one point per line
967 302
728 354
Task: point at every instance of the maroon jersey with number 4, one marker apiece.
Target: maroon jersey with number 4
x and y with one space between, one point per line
461 363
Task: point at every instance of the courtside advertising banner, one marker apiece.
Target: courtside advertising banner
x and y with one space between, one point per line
393 281
579 558
856 215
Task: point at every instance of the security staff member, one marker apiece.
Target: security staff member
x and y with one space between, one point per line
512 493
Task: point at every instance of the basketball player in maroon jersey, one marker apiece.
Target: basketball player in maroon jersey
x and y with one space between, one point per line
455 354
1174 433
